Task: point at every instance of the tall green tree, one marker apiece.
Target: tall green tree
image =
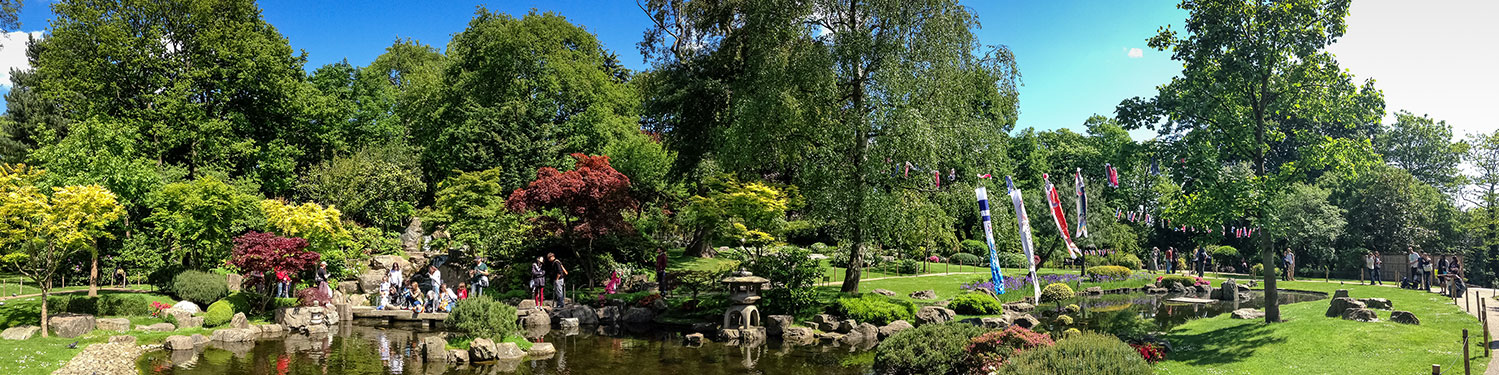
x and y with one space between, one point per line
1484 156
1424 147
1248 70
1307 222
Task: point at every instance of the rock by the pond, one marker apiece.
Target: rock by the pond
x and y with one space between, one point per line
457 356
1248 314
659 305
924 294
1340 293
239 321
1341 304
894 328
435 348
269 330
566 323
1093 290
1021 307
775 325
609 314
639 315
188 306
798 336
541 349
847 325
825 323
1377 303
159 327
179 342
884 292
934 315
177 314
584 314
122 340
1360 314
1205 290
112 324
728 334
1023 320
830 337
369 281
868 331
704 327
103 359
1158 291
190 322
71 325
1404 317
303 319
536 318
694 339
490 350
752 335
19 332
199 339
233 335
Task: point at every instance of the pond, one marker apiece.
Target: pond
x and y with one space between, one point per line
359 349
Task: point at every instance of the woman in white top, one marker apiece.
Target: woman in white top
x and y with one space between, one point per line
436 277
384 293
395 274
446 301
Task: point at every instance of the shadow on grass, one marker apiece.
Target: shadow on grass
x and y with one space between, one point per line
1222 346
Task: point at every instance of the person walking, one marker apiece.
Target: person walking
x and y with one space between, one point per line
1155 259
556 272
538 281
661 268
478 278
1202 260
1290 260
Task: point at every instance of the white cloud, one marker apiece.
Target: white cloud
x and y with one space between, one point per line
13 53
1135 53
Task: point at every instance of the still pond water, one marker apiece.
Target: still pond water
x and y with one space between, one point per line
360 350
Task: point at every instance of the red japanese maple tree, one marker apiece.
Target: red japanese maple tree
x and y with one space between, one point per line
260 255
592 197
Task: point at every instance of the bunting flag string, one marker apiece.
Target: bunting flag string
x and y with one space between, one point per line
1023 221
1082 205
998 278
1055 200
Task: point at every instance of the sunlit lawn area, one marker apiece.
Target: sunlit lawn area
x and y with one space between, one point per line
40 355
1310 343
948 286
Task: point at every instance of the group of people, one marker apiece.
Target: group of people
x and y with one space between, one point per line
1201 261
437 297
548 270
1422 273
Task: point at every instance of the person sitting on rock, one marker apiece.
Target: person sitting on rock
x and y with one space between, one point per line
384 293
414 298
446 300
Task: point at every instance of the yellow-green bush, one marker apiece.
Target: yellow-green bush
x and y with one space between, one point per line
975 304
1080 353
1108 273
1056 292
219 313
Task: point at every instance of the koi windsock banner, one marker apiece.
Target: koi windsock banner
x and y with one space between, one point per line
994 272
1024 222
1058 216
1082 205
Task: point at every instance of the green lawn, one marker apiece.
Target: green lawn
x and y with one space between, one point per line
948 286
40 355
1309 343
27 311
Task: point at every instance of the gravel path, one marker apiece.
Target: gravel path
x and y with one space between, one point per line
103 359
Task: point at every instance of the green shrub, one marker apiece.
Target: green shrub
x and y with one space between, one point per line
975 247
123 305
1013 260
1063 320
907 267
1184 281
1116 258
975 304
1056 292
990 351
199 287
287 302
819 248
936 349
874 309
1107 273
1080 353
1259 270
73 304
1227 255
1071 309
965 258
219 313
484 317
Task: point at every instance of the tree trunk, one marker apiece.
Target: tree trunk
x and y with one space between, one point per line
46 290
1272 297
93 275
699 246
856 165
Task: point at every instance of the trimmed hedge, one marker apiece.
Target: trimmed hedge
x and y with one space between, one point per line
936 349
199 287
484 317
219 313
1110 272
965 259
874 309
975 304
1080 353
1056 292
123 305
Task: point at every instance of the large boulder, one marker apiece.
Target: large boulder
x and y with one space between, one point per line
775 325
369 281
199 339
20 332
302 319
1023 320
934 315
188 306
1020 307
847 325
239 321
234 335
541 350
1360 314
384 262
411 238
609 314
485 350
639 315
112 324
71 325
536 318
1404 317
190 322
1340 293
435 348
1227 291
179 342
567 323
1248 314
348 287
894 328
825 323
457 356
158 327
178 314
694 339
234 282
1377 303
1341 304
884 292
798 336
924 294
1093 290
584 314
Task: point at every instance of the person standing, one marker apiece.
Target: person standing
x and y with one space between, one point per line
661 268
1413 262
396 275
384 293
321 278
436 276
1369 267
1378 267
1171 259
1426 272
556 272
1155 259
478 278
1202 260
538 281
1290 260
1442 266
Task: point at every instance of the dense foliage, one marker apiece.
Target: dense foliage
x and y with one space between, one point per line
1108 272
1080 353
1056 292
990 351
935 349
199 287
123 305
874 309
481 316
975 304
261 255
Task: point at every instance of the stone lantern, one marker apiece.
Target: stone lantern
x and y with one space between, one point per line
744 291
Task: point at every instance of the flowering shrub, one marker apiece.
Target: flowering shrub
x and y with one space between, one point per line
934 259
991 350
157 307
1151 352
1185 281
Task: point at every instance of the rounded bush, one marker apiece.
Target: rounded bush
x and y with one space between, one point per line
965 258
219 313
975 304
1080 353
974 247
1184 281
123 305
1072 309
1107 273
875 309
935 349
199 287
1013 260
1056 292
484 317
1070 332
907 267
1064 320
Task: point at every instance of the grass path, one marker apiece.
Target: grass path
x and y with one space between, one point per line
71 291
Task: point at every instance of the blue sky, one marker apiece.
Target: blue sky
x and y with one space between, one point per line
1075 56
